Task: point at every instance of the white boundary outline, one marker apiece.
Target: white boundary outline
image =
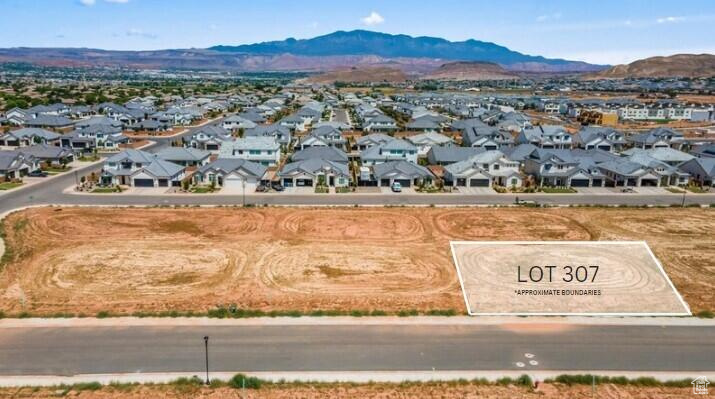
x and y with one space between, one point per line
686 308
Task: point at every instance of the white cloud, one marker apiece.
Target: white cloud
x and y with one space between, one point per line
373 19
664 20
90 3
136 32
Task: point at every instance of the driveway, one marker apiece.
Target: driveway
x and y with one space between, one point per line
598 190
475 190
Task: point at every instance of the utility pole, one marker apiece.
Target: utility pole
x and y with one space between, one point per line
683 203
206 346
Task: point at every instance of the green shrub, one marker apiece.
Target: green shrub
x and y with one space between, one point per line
185 381
240 381
102 314
87 386
705 314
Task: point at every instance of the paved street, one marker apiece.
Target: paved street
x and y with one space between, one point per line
92 350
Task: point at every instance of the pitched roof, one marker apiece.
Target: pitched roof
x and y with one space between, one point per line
327 153
162 168
228 165
402 168
182 154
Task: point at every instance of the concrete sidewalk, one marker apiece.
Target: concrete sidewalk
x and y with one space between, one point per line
529 322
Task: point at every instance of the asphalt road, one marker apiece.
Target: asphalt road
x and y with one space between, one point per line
50 192
85 350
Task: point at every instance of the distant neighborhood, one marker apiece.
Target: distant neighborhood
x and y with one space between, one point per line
308 138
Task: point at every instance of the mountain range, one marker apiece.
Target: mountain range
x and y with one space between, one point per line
387 46
678 65
335 51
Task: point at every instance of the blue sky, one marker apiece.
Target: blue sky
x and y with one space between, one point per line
606 31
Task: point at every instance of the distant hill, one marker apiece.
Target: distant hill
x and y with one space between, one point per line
362 42
364 74
679 65
463 70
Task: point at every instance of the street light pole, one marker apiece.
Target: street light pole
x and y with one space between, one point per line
206 346
684 191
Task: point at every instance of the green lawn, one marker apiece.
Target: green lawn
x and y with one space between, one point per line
674 190
557 190
55 170
202 190
9 185
696 189
105 190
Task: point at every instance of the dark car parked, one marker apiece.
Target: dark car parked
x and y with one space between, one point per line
276 186
37 173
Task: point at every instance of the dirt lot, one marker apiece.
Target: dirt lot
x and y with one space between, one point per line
382 391
83 260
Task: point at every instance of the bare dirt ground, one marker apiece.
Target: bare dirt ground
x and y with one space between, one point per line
86 260
345 391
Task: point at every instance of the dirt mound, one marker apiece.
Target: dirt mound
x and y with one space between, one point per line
680 65
470 71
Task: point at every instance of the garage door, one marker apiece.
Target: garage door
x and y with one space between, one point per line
304 182
403 182
579 183
236 184
163 183
287 182
143 183
479 182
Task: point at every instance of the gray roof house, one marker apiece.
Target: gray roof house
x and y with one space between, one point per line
487 137
209 138
327 153
393 150
545 136
282 134
264 150
424 123
602 138
406 173
425 141
567 168
701 170
658 137
232 173
485 169
445 155
48 153
28 136
373 139
667 155
141 169
325 136
51 121
309 172
184 156
14 164
642 170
